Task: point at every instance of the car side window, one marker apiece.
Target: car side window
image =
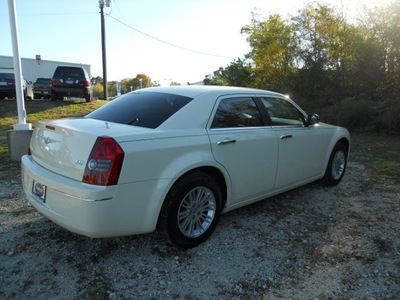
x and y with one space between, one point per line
282 112
237 112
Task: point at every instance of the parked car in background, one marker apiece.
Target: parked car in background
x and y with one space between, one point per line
175 158
42 88
71 82
7 87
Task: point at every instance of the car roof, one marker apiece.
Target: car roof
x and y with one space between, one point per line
76 67
194 91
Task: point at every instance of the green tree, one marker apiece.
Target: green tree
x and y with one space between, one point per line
380 27
238 73
97 80
132 84
274 47
98 90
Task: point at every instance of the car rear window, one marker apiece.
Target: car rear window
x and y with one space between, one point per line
7 76
43 80
148 109
69 72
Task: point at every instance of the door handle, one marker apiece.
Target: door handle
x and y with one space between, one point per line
286 136
226 141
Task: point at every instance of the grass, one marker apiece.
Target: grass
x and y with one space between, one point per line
39 110
380 154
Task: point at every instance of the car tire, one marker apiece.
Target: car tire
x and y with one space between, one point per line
336 165
191 210
89 98
53 96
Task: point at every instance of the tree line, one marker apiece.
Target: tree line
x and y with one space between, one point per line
127 85
324 61
141 81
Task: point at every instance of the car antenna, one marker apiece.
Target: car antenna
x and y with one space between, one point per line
134 121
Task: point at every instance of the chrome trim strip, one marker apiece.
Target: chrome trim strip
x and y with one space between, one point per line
79 198
240 128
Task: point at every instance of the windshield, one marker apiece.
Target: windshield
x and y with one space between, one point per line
147 109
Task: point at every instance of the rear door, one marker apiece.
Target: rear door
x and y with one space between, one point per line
247 148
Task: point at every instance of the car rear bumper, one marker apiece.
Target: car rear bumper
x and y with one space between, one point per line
90 210
7 91
70 91
42 92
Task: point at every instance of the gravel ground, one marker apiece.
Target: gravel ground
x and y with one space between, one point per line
314 242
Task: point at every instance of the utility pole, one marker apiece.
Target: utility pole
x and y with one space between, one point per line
103 45
22 125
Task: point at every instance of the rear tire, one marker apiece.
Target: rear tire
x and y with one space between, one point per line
89 98
191 210
336 165
53 96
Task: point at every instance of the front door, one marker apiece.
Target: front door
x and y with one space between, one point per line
302 149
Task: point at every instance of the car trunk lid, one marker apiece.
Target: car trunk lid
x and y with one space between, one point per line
64 146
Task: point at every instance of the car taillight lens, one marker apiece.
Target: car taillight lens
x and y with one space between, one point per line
86 82
105 162
52 81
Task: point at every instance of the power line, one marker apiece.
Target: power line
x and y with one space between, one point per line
56 14
168 43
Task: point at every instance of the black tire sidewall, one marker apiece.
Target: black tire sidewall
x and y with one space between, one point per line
173 201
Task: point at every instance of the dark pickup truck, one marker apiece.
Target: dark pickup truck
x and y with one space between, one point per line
42 88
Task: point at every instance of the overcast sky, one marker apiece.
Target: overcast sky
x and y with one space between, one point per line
70 31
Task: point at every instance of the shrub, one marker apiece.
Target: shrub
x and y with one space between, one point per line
353 113
388 119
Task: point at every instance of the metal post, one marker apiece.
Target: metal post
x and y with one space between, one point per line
103 45
17 69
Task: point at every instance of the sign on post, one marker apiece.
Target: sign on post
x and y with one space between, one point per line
118 89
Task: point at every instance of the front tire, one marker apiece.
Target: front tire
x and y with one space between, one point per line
191 210
336 165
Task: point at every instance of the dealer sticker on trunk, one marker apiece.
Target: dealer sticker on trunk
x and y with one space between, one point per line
39 190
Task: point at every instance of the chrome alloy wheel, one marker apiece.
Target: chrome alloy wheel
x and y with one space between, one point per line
196 212
338 164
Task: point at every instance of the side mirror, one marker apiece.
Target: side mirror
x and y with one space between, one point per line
312 119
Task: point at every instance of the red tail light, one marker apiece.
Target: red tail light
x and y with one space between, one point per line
52 81
86 82
34 86
104 163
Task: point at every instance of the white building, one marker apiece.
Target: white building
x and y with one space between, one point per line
32 69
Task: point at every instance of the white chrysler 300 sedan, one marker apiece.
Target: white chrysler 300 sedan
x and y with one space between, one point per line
175 158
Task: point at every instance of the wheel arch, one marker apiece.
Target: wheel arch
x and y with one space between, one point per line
346 143
213 172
